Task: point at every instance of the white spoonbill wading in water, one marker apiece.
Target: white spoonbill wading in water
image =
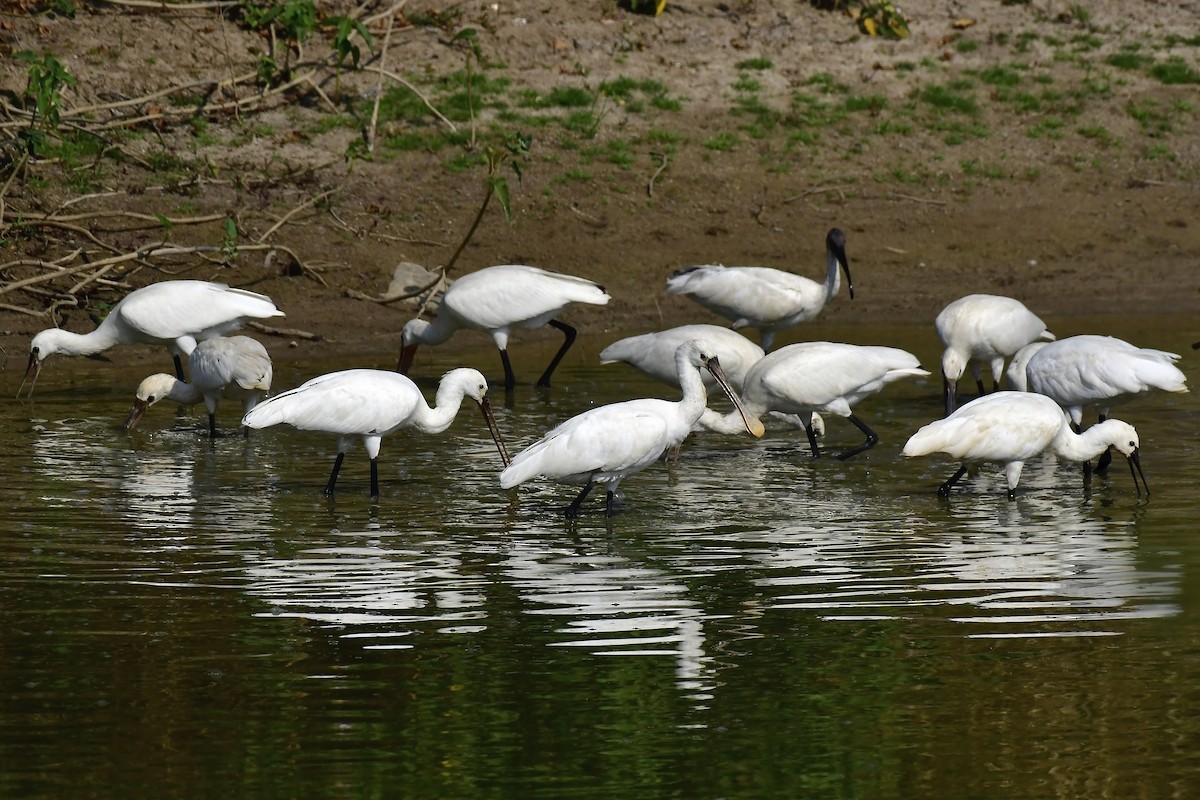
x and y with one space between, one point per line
177 314
607 444
760 297
235 367
654 353
1012 427
826 377
372 403
983 329
1100 371
498 299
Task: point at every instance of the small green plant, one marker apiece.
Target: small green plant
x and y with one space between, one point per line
45 79
290 22
513 150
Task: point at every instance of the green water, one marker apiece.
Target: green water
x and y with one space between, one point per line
183 618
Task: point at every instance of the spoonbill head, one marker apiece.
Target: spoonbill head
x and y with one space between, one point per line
497 300
1012 427
799 380
607 444
983 329
234 367
760 297
175 314
369 404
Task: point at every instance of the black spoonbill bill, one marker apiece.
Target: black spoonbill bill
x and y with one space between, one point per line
827 377
1012 427
177 314
372 403
983 329
607 444
498 299
234 367
761 297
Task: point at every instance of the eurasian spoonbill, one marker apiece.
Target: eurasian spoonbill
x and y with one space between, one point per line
983 329
1012 427
372 403
654 353
177 314
828 377
235 367
498 299
761 297
607 444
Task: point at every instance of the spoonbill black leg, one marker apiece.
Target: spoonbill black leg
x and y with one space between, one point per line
944 489
337 465
573 509
568 340
872 439
812 439
374 479
510 380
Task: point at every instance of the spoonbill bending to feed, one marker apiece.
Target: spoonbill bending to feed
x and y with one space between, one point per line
979 329
654 353
1100 371
826 377
764 298
372 403
236 367
498 299
1013 427
607 444
177 314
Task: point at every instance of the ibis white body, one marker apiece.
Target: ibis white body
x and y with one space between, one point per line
498 300
769 299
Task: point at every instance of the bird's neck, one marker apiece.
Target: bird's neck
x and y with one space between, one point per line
441 328
87 344
1082 446
437 418
833 275
695 394
185 394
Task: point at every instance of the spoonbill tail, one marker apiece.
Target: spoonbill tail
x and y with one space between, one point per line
1012 427
983 329
607 444
498 299
760 297
177 314
825 377
654 353
1100 371
236 367
372 403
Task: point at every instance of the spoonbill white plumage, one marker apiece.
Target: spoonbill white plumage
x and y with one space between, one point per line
605 445
1012 427
764 298
498 299
654 353
236 367
983 329
1101 371
1015 377
177 314
827 377
372 403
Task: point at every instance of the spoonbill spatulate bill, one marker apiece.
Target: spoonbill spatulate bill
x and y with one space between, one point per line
801 379
369 404
233 367
497 300
769 299
1011 428
605 445
176 314
983 329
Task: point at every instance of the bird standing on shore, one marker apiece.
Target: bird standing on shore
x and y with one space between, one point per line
498 299
760 297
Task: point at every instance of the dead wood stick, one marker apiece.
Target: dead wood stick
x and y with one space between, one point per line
398 79
283 220
288 332
387 38
650 186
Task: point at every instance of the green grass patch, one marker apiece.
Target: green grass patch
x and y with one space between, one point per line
722 142
947 98
1175 71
